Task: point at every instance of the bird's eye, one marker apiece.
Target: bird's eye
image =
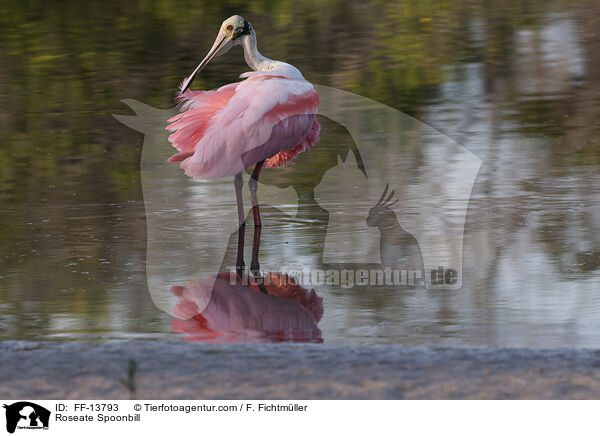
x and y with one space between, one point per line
229 27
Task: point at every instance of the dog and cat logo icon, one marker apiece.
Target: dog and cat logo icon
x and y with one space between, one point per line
26 415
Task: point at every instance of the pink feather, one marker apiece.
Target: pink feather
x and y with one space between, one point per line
265 117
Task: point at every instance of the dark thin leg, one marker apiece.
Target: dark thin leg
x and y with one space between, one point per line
239 263
238 182
253 185
254 265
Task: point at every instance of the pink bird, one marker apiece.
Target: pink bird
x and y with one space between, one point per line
266 120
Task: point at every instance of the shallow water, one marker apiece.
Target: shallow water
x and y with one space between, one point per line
516 86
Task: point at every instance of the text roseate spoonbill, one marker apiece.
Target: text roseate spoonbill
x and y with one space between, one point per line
265 120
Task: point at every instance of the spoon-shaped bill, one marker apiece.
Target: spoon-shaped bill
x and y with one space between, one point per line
217 48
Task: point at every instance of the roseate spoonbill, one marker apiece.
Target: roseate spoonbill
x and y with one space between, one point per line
265 120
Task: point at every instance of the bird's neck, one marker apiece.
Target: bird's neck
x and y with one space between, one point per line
254 59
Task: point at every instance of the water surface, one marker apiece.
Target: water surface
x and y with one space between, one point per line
517 84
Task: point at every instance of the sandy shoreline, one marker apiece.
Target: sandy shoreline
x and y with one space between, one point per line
180 370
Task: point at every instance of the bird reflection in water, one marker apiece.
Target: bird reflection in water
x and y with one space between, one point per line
225 310
269 308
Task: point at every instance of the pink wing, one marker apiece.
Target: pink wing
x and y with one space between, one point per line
262 118
198 109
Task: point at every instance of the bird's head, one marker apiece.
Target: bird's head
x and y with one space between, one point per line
232 32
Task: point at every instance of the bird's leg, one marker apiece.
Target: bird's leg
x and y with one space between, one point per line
253 185
239 263
238 182
254 265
